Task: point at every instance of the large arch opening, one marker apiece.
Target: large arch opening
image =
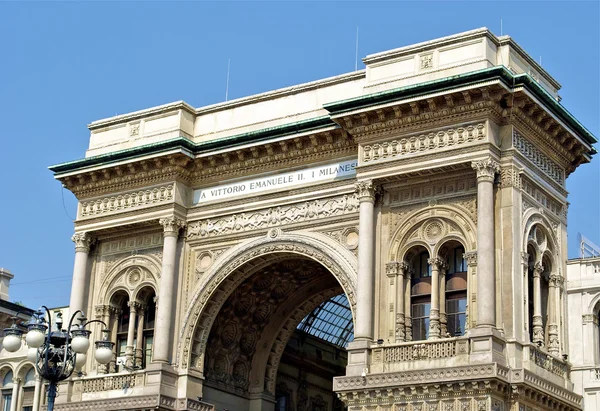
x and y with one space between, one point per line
278 338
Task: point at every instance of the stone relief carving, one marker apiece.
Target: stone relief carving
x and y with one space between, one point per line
511 177
538 195
539 159
275 216
422 143
106 205
131 244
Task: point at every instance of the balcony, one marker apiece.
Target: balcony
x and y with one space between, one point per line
420 354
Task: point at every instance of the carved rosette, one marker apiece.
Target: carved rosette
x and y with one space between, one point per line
171 225
365 191
82 241
486 169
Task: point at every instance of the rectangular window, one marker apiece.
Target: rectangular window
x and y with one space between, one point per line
420 321
29 408
147 356
6 402
456 313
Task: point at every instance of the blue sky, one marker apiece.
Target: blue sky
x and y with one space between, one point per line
63 65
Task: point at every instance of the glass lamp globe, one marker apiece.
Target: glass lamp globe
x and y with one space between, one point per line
80 360
81 341
32 354
36 335
12 342
103 355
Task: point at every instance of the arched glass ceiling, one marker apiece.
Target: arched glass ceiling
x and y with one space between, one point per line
331 321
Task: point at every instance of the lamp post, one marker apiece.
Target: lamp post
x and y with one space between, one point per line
57 353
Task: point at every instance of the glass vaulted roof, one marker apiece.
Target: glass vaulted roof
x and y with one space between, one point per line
331 321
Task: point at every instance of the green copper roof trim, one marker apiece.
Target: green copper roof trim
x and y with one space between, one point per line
196 148
448 83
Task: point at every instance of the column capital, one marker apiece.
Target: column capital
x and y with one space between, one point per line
171 225
538 269
392 268
366 190
134 305
555 280
82 241
471 257
486 169
436 262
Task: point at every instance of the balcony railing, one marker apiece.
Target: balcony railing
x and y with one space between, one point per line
112 382
548 362
421 350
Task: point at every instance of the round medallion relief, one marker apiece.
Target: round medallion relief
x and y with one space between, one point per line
134 276
204 261
433 231
352 239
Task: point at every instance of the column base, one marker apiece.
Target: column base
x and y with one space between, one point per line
359 357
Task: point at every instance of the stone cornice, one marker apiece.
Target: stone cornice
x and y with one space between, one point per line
207 168
124 403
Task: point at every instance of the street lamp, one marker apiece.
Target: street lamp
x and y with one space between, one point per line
57 353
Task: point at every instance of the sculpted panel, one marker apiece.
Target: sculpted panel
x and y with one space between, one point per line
276 216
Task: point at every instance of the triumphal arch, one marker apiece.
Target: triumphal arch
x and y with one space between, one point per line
388 239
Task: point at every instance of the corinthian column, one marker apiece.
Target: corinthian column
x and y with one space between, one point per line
82 249
486 281
407 303
36 392
400 327
538 325
553 297
443 316
130 349
15 394
391 270
164 325
366 275
434 312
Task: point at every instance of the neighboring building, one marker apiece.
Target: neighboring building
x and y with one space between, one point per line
17 375
416 208
583 288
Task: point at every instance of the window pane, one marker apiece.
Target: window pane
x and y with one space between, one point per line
420 321
456 314
7 402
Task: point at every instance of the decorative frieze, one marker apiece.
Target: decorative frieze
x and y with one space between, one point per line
398 148
131 244
537 158
510 176
538 195
274 216
128 201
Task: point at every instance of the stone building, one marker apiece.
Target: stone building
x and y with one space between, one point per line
19 386
583 290
424 195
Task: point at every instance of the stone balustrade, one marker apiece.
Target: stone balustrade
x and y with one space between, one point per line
112 382
548 362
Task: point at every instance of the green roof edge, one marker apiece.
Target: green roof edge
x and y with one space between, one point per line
196 148
337 108
448 83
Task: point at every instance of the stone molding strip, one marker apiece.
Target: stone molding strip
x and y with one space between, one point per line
133 200
396 148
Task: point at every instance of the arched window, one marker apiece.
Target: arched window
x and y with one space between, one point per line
420 293
7 398
455 289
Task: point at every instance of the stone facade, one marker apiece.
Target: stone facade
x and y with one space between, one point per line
204 236
583 290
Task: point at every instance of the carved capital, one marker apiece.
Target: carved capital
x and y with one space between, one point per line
538 269
554 280
436 263
82 241
365 190
392 268
486 169
471 258
403 268
171 225
134 306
